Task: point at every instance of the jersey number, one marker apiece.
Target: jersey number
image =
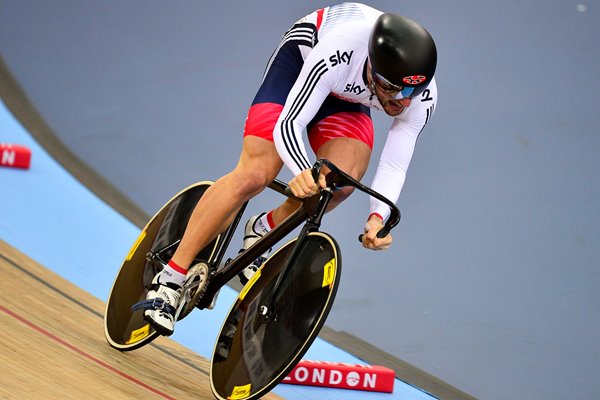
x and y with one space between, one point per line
426 95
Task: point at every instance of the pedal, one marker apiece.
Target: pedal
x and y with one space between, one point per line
213 303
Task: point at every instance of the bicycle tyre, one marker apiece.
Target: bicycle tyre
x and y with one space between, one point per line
252 355
127 330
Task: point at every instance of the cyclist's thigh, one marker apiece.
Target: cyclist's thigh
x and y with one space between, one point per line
350 155
259 157
259 153
342 132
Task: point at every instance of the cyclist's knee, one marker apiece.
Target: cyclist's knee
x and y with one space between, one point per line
250 182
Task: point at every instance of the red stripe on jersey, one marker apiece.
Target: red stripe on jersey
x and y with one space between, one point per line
354 125
320 13
261 120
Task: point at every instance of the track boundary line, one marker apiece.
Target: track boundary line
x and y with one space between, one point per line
83 353
97 314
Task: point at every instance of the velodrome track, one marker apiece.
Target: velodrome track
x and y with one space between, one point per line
60 248
53 345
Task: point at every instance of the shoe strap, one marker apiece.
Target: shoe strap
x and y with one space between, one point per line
156 304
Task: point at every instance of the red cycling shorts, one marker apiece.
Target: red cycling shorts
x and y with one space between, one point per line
336 118
262 118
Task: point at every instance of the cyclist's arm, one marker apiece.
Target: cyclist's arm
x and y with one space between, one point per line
304 100
399 148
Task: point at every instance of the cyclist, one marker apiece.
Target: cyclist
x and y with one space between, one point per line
329 69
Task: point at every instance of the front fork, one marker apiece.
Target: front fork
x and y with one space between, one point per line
268 310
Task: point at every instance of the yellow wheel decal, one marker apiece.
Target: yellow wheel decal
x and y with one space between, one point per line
240 392
246 288
135 245
139 334
329 273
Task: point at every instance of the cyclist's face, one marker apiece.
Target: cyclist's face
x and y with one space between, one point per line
391 106
387 94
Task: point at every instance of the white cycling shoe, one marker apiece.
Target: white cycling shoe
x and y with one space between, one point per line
162 301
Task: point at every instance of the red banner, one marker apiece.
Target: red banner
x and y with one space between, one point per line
342 376
13 155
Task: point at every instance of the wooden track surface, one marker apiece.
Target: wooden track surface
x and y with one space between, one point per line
52 345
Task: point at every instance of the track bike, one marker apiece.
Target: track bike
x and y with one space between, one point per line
278 313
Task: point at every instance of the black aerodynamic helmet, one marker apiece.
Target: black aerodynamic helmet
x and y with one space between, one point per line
403 53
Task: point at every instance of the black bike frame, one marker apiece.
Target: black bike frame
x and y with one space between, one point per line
310 210
220 277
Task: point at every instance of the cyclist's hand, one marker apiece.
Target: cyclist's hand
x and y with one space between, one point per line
303 185
370 239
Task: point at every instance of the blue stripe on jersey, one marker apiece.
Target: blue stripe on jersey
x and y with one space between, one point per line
300 34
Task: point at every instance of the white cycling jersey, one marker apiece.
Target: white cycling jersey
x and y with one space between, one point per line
336 65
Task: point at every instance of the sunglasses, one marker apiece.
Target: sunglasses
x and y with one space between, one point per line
394 91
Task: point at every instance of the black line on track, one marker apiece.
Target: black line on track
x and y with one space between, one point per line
97 314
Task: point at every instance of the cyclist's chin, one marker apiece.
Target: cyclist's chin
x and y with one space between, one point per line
391 109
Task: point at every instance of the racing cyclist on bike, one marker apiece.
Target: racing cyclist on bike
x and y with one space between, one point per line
329 69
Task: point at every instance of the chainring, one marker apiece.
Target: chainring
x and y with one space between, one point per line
194 287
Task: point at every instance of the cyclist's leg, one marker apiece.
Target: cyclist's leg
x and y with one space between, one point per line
342 133
258 165
351 156
281 74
